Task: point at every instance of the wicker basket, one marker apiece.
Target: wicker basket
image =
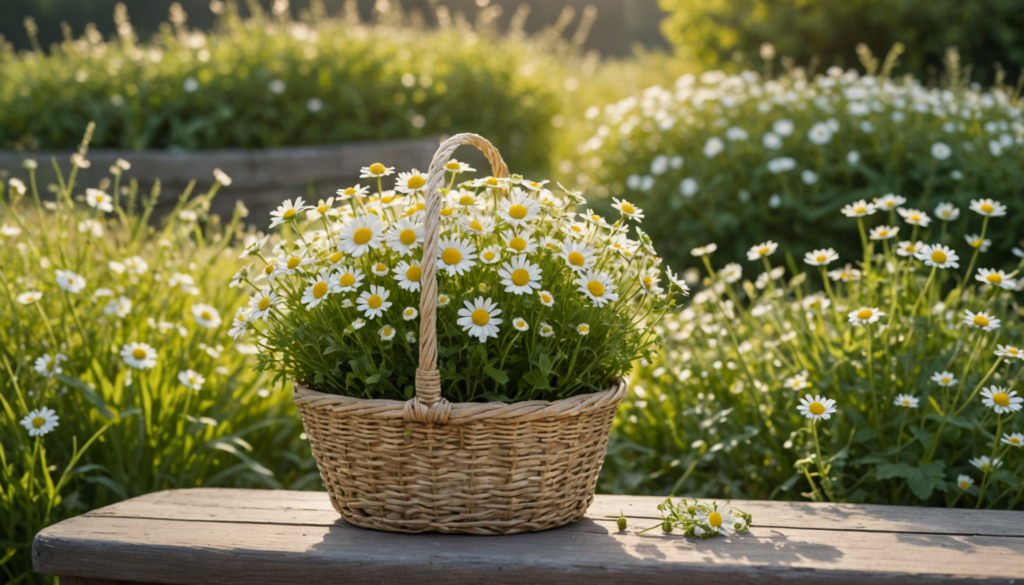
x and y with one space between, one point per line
430 465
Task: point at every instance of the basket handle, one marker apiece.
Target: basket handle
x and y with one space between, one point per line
428 406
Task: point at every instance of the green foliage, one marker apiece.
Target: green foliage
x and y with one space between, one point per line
274 81
732 159
123 432
717 413
720 33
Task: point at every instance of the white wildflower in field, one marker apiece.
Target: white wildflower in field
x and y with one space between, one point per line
70 281
859 209
883 232
941 151
938 256
822 257
945 379
374 302
947 211
387 333
996 278
41 421
988 207
599 287
914 217
865 316
361 235
29 297
1013 439
762 250
1009 351
703 250
889 201
520 324
986 464
49 365
140 356
1001 400
99 200
976 241
287 211
206 315
906 401
964 482
982 320
817 407
479 318
375 171
191 379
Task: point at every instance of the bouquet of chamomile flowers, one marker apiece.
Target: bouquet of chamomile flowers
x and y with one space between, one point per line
535 300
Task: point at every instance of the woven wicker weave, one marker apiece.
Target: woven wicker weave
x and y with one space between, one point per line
482 468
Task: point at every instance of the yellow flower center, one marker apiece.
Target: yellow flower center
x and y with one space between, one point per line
352 190
38 422
386 332
319 290
859 209
451 256
545 298
577 229
595 288
584 329
517 211
347 279
294 261
466 200
386 199
206 315
407 237
864 314
138 353
1001 399
264 303
335 257
821 258
816 408
447 211
647 282
976 243
268 269
488 256
939 257
323 209
981 321
1014 441
597 218
288 213
377 169
518 244
374 302
476 226
906 402
911 248
520 277
362 236
945 213
576 259
715 519
914 217
945 380
481 317
452 166
416 182
986 208
413 273
994 278
628 208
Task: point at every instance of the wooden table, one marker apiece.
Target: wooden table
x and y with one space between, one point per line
237 536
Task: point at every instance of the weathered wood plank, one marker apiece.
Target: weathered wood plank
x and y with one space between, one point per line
218 538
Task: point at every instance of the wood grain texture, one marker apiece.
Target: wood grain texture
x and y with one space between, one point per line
218 536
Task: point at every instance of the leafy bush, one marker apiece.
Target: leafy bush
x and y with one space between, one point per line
719 33
82 282
913 361
532 302
718 157
274 81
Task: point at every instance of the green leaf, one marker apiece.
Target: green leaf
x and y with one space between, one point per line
923 480
499 376
935 405
89 394
890 470
112 485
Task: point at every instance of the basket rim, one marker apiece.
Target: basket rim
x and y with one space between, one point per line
465 412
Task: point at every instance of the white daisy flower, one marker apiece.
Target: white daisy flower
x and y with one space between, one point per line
845 274
239 323
859 209
546 330
822 257
358 324
941 151
373 303
906 401
49 365
864 316
519 275
798 382
356 192
120 307
731 272
379 269
240 277
287 211
70 281
1001 400
405 236
816 302
457 257
410 313
206 315
546 298
360 235
975 241
884 232
982 321
1013 440
594 218
520 324
254 248
136 265
518 209
140 356
907 249
455 166
479 318
989 207
535 186
318 289
346 279
583 329
218 175
410 337
322 209
40 421
985 464
29 297
939 256
99 200
261 303
889 201
376 170
946 211
995 278
408 275
817 407
387 333
721 519
820 134
491 254
703 250
762 250
191 379
964 481
1009 351
628 209
944 379
477 225
577 255
410 182
914 217
599 287
649 284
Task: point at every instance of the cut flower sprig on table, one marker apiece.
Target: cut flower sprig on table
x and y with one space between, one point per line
891 377
701 519
535 300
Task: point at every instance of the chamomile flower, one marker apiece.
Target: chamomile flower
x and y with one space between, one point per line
908 249
822 257
944 379
627 209
859 209
140 356
816 302
379 269
798 382
411 182
287 211
405 236
410 313
239 323
241 276
360 235
191 379
577 255
583 329
817 407
29 297
914 217
99 200
375 171
884 232
491 254
254 248
520 276
356 191
317 289
1001 400
520 324
387 333
1009 351
519 209
762 250
479 318
906 401
347 279
988 207
986 464
477 225
70 281
864 316
535 186
49 365
939 256
120 307
321 209
649 284
964 482
704 250
720 519
889 201
262 302
846 274
731 272
598 287
40 421
443 300
546 330
374 302
976 241
206 315
995 278
457 257
519 241
136 265
982 321
677 282
358 324
455 166
410 337
946 211
1014 440
546 298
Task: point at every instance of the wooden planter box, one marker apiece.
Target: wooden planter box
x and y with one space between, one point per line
260 178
